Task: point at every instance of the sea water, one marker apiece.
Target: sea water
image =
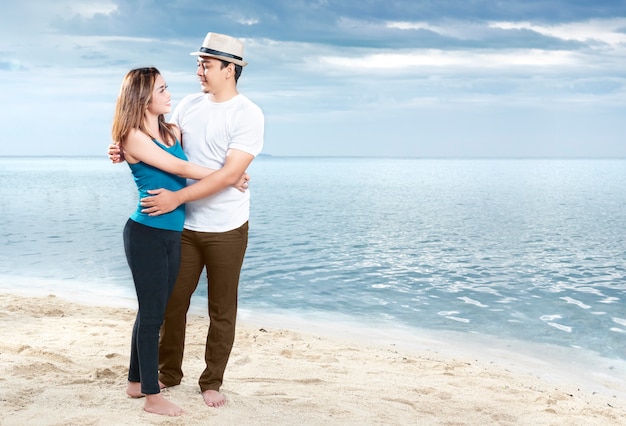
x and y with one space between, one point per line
531 250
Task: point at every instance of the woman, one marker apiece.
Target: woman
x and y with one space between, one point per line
155 156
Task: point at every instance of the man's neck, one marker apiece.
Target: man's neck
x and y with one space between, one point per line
223 95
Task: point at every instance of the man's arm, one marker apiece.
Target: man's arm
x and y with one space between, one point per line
164 201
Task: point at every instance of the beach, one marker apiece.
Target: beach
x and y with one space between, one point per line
63 362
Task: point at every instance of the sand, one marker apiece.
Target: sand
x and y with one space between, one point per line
65 363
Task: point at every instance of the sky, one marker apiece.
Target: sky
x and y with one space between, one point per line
396 78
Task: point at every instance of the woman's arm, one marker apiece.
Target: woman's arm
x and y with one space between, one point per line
139 147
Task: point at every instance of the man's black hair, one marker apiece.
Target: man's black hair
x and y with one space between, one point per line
238 68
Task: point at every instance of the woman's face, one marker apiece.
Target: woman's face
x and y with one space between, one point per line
161 102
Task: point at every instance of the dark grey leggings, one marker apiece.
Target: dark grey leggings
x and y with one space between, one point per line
154 258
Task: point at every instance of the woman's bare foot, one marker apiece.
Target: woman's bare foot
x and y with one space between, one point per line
213 398
158 405
134 389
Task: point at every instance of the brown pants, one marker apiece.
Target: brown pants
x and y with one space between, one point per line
222 254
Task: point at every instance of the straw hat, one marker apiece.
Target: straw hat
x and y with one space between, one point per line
222 47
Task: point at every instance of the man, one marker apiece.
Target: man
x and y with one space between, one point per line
223 130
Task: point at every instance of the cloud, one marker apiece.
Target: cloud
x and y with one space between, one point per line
11 65
609 31
87 10
455 61
321 69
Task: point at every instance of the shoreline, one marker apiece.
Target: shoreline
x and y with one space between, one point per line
63 357
553 363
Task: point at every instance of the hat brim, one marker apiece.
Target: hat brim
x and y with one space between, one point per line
222 58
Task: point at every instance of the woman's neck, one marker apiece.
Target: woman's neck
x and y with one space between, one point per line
151 124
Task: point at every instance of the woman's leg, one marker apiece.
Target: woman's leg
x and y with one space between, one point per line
151 254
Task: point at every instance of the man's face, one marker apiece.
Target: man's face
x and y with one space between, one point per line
211 74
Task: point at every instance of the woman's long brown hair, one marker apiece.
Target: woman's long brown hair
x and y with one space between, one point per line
134 97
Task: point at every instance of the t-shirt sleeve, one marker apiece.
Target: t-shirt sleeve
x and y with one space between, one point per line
248 133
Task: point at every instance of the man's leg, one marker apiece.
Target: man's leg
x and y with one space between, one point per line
172 339
223 254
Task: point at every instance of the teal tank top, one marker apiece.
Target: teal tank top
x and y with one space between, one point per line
149 177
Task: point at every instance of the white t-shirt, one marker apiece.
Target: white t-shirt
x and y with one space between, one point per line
209 130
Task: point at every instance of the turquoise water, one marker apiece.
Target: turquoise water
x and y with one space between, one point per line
532 250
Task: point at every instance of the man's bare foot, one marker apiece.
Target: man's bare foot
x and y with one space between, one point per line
158 405
134 389
213 398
